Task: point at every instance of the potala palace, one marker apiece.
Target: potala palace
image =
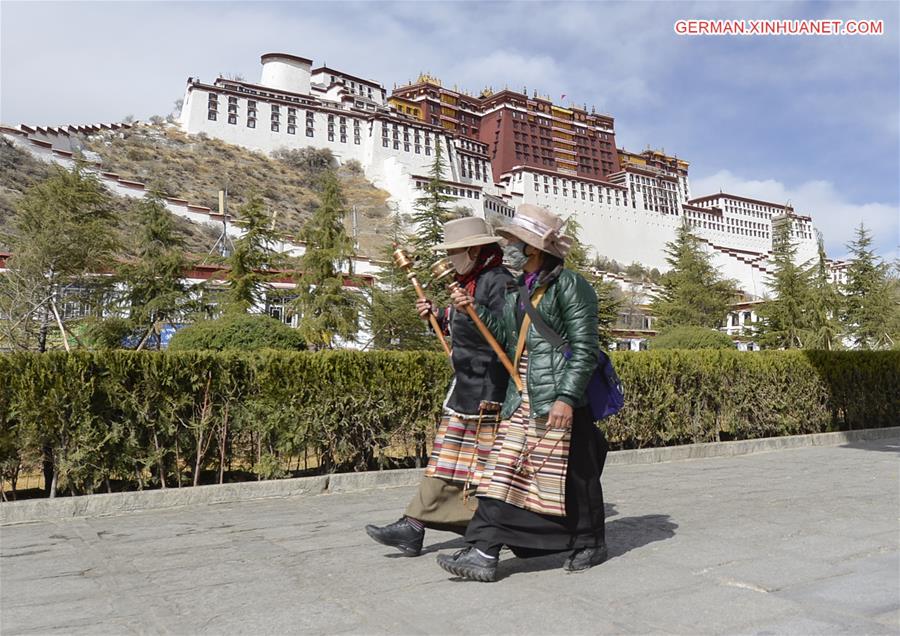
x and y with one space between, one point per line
501 149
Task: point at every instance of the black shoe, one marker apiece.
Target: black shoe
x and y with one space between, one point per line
586 558
469 564
400 534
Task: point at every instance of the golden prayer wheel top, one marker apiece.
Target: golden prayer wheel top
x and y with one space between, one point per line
442 268
402 259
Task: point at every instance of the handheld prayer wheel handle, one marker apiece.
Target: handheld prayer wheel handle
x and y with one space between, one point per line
403 261
491 340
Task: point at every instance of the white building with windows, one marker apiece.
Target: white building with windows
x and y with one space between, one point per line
296 106
628 216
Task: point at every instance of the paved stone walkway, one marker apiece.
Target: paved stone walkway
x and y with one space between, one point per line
788 542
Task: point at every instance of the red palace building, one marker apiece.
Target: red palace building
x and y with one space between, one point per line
518 130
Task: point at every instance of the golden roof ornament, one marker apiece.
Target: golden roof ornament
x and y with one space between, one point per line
427 78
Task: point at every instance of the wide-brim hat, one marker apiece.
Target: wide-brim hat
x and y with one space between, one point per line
537 227
466 232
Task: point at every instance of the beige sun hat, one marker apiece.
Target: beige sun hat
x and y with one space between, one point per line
537 227
466 232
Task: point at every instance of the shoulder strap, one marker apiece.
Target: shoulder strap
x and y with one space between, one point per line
556 341
526 322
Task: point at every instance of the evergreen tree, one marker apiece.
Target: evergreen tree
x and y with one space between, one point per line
609 295
253 254
893 289
577 259
825 302
693 293
156 291
390 311
326 310
784 319
63 235
431 211
870 306
609 303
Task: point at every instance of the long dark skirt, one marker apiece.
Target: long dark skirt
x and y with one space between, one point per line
497 523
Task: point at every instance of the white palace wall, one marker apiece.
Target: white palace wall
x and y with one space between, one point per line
386 167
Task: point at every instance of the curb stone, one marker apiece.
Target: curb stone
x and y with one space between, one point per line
100 505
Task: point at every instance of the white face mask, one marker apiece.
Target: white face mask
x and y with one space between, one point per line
462 262
514 255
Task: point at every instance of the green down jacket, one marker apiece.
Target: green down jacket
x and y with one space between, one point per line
569 307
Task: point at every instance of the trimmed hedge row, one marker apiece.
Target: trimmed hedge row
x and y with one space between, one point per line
154 419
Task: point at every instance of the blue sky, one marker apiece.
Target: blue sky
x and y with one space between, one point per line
810 120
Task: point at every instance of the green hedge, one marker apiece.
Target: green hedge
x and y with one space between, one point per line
142 419
246 332
691 338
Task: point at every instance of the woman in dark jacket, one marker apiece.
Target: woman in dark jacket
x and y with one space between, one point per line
472 411
540 490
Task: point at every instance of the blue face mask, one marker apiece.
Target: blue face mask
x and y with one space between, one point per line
514 255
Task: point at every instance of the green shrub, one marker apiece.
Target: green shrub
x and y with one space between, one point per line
691 338
150 419
245 332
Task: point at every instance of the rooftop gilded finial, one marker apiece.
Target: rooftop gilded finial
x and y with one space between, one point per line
427 78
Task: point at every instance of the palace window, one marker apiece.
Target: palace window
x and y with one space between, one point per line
309 131
232 119
251 123
274 126
211 115
291 129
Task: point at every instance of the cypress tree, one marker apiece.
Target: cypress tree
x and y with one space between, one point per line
391 309
253 253
784 319
693 293
609 295
609 303
430 213
327 311
825 304
870 302
63 235
156 291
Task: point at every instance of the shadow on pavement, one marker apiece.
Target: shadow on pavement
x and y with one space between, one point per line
452 544
890 445
622 536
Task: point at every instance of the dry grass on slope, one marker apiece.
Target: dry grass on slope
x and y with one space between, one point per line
196 167
19 170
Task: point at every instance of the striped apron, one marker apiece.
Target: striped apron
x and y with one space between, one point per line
461 446
528 462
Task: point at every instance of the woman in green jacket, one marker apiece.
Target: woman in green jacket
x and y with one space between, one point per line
540 490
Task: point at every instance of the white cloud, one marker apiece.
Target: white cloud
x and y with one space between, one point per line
505 68
832 214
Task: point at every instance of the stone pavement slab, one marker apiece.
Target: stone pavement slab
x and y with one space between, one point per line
793 541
